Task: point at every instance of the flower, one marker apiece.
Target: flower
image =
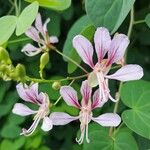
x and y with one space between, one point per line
85 116
30 94
115 50
39 34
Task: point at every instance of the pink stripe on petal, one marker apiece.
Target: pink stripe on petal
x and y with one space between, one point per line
108 120
118 46
60 118
70 96
84 48
33 34
38 24
22 110
127 73
102 41
86 92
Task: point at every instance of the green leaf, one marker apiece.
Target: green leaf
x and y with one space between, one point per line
6 145
80 25
147 19
10 131
26 18
18 143
88 32
135 95
100 139
7 27
54 4
108 13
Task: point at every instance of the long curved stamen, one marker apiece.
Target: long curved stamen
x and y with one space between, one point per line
112 99
87 138
80 140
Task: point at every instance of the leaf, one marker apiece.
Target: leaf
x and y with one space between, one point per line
7 27
26 18
88 32
100 139
6 145
54 4
135 95
108 13
147 19
81 24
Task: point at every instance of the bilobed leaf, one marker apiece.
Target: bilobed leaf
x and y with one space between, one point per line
147 19
135 95
108 13
7 27
26 18
54 4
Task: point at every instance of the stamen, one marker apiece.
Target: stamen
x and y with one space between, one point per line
80 140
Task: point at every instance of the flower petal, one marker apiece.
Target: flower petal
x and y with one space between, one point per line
38 24
33 34
127 73
70 96
47 124
53 39
31 50
97 102
45 25
22 110
117 48
92 79
102 41
108 120
84 48
60 118
86 92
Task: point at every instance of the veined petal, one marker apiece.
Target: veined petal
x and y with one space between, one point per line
45 25
102 42
33 34
53 39
84 48
31 50
86 92
97 102
22 110
47 124
38 24
118 46
108 120
60 118
92 79
70 96
127 73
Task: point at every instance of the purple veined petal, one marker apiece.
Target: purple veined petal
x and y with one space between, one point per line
47 124
22 110
39 24
70 96
127 73
86 92
102 42
33 34
108 120
53 39
84 48
117 49
92 79
45 25
97 102
31 50
60 118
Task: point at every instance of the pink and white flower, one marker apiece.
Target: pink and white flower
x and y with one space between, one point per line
85 116
115 50
39 34
30 94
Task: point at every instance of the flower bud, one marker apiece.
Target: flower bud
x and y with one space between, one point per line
20 71
4 56
56 85
44 60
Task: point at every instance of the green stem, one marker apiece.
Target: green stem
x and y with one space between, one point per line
121 83
139 22
18 40
68 58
